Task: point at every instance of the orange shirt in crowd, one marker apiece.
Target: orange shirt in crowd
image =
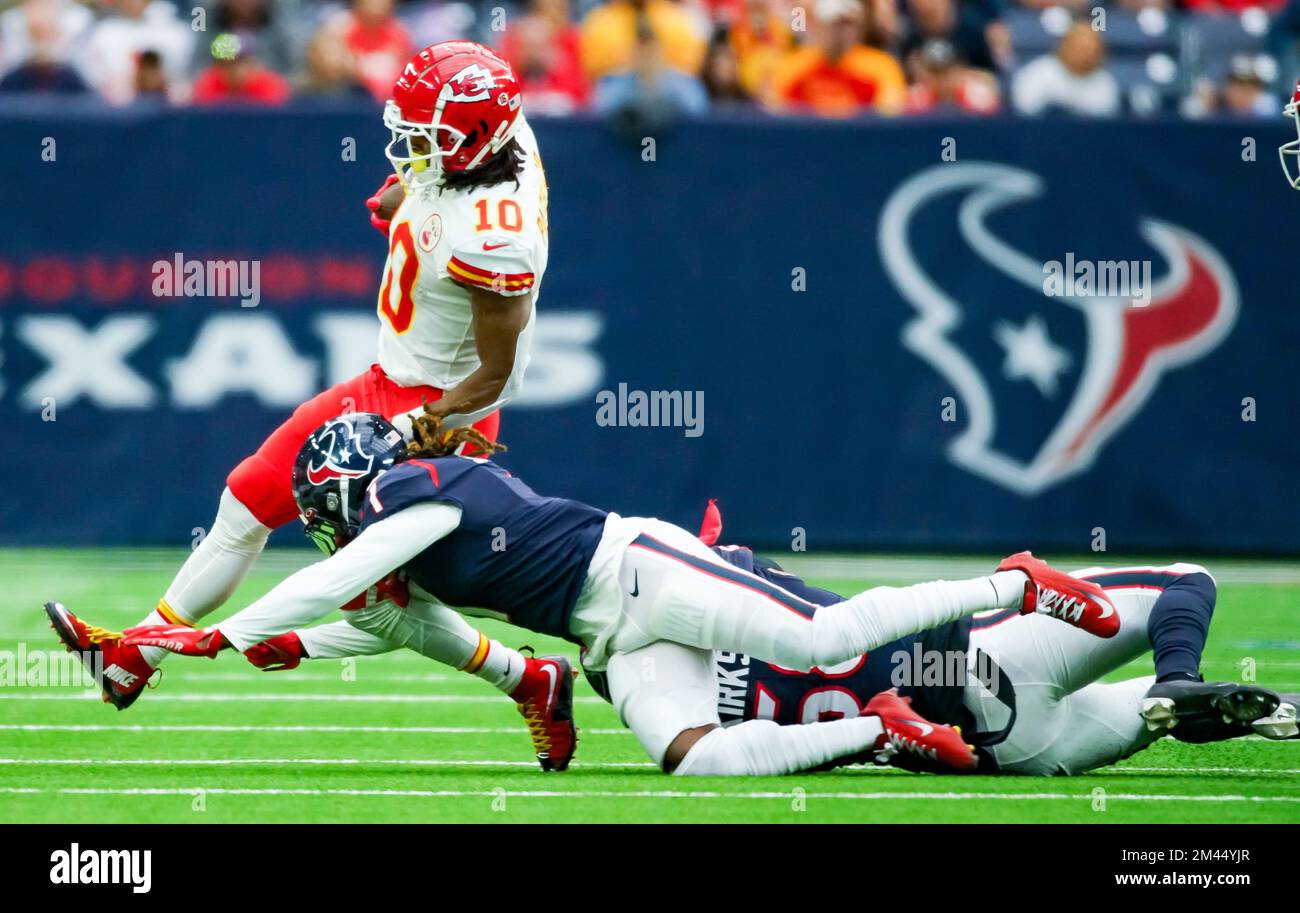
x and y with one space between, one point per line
608 37
758 50
862 78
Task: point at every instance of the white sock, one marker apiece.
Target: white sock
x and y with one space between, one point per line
758 748
212 572
501 667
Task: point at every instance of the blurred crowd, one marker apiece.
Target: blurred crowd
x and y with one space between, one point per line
659 59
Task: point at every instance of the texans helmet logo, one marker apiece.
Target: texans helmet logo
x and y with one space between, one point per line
1043 382
339 450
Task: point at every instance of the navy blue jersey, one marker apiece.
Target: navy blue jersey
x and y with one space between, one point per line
751 689
514 552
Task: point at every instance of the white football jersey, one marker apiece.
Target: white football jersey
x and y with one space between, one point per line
441 241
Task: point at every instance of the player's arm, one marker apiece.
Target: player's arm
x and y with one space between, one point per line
498 321
498 271
318 589
336 640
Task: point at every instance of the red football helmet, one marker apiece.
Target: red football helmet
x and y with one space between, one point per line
1292 149
455 105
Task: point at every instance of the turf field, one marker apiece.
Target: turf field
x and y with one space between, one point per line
396 738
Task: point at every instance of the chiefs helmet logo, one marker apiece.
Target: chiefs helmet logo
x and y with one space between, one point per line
340 454
474 83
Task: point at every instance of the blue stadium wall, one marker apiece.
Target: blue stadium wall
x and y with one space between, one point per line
863 317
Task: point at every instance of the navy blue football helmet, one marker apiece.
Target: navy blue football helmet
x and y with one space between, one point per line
334 469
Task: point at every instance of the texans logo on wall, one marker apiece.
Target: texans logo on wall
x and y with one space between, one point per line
1045 382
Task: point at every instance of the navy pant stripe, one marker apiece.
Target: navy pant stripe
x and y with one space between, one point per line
990 620
1156 579
730 574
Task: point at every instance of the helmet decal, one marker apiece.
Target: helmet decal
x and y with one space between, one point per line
340 454
474 83
334 469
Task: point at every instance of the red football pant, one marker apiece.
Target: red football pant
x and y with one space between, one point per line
263 481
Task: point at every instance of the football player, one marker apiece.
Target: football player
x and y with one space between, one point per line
467 251
647 601
1026 694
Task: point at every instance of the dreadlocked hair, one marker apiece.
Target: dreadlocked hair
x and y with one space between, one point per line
505 166
430 439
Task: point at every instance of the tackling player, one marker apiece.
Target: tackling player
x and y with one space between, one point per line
637 593
457 304
1026 694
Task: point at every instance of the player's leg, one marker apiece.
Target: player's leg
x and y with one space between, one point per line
439 633
259 497
1168 609
541 687
664 689
1054 734
259 494
1023 671
675 588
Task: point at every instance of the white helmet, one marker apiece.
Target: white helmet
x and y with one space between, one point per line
1290 152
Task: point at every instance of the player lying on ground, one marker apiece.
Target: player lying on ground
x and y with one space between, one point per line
638 594
467 250
1026 693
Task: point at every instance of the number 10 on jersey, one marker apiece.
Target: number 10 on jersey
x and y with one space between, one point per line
403 269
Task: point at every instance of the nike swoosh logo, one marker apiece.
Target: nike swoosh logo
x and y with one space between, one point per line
549 669
925 728
487 246
1107 609
636 584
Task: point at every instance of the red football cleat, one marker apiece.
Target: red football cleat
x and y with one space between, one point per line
119 670
1076 602
914 743
545 698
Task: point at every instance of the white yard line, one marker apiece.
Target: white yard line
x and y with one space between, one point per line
200 727
493 762
638 794
1247 771
441 730
31 694
318 762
